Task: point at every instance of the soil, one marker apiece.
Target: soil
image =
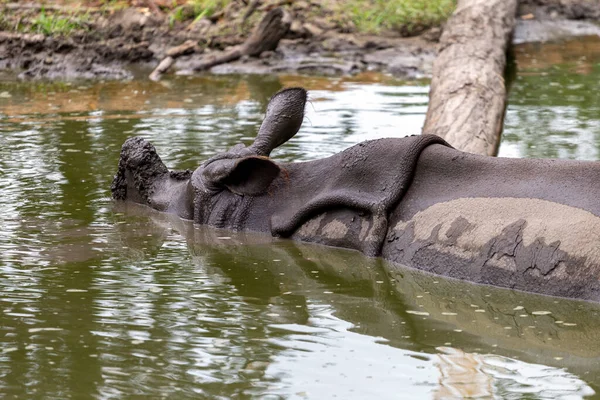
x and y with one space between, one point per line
113 43
552 20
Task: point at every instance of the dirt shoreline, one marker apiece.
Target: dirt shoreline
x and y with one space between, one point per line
116 42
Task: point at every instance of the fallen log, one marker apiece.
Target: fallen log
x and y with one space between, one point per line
467 99
265 37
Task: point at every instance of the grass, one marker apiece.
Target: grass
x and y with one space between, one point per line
407 16
195 10
4 22
178 14
113 4
206 8
58 25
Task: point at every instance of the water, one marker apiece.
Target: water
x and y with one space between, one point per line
554 102
104 300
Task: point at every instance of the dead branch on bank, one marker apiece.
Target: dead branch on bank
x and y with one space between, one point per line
265 37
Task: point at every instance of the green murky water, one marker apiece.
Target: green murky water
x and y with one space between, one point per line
99 300
554 102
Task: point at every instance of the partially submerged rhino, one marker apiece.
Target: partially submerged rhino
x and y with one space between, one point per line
525 224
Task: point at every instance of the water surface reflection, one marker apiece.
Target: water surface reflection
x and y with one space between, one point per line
554 102
98 301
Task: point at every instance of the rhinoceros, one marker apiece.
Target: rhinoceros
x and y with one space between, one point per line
525 224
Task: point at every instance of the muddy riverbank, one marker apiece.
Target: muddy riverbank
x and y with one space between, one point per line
110 44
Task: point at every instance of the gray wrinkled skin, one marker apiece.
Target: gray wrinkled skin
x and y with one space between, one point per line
526 224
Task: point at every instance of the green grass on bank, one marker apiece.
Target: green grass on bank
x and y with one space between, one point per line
196 9
409 17
50 24
206 8
406 16
368 16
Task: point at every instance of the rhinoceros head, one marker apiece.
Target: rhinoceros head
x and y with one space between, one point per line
143 178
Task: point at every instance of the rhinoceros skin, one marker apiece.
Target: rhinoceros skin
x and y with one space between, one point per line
526 224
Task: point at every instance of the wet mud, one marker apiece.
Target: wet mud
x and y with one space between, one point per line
117 44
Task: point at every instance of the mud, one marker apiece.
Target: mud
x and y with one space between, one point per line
553 20
116 43
561 9
341 54
107 50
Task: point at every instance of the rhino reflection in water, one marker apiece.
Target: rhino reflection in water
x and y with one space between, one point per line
525 224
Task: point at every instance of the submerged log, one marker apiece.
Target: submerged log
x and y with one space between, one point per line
188 47
162 67
265 37
467 99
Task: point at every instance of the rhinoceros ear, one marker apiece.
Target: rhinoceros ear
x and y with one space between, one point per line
284 117
245 176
